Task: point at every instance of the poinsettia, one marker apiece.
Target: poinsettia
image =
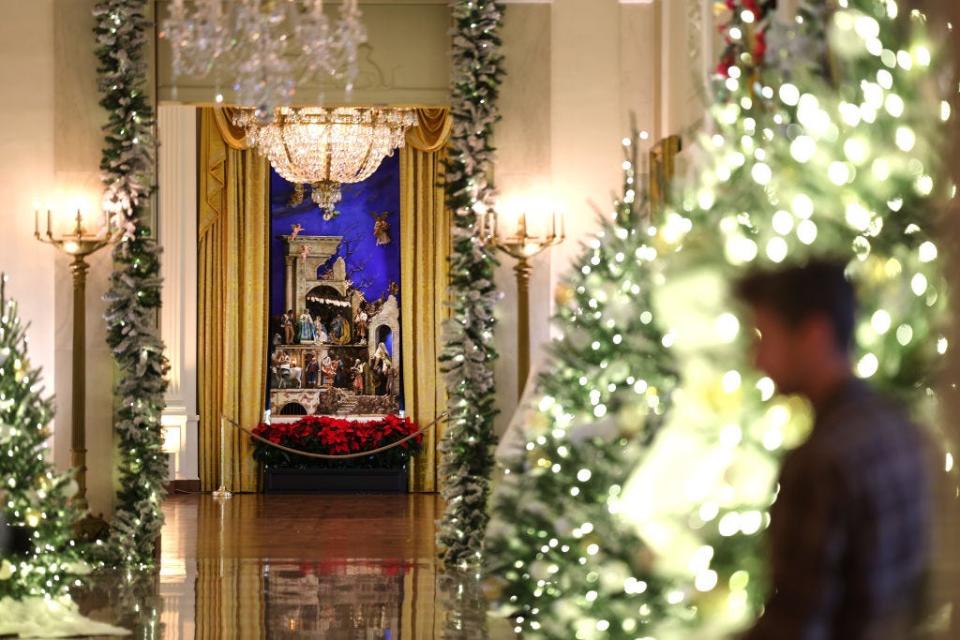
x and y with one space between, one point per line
336 436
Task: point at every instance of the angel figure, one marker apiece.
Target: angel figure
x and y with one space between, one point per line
304 252
295 230
381 229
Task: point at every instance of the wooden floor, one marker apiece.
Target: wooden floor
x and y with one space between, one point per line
332 567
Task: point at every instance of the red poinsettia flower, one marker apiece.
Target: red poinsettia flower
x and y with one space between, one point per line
337 436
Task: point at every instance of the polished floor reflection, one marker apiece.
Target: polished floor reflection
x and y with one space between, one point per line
331 567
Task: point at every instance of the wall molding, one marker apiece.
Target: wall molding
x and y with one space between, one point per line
177 234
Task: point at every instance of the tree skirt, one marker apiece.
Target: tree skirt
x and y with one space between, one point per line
41 618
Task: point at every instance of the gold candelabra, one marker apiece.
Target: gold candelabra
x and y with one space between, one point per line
523 246
78 244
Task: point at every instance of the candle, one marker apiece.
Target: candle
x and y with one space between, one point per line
522 225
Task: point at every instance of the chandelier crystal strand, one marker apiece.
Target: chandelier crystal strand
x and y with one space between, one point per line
265 49
327 147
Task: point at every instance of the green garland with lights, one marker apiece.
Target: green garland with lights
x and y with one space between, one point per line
466 449
34 496
133 299
810 151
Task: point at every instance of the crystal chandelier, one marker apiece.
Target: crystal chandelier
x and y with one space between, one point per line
264 47
327 147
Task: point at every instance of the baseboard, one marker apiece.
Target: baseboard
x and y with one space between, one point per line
183 486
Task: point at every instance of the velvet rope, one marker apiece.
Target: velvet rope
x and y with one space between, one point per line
342 456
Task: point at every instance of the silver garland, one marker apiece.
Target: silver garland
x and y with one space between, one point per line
467 358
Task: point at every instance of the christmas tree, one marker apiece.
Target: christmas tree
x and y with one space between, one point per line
33 495
811 150
609 384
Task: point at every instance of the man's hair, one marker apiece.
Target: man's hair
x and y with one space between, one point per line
798 293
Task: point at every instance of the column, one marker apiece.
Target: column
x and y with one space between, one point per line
177 234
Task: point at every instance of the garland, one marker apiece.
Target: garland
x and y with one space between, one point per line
133 299
467 358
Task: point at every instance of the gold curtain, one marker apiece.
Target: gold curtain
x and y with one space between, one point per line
232 284
425 242
229 596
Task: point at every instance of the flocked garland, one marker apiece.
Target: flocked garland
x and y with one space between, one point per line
468 355
133 299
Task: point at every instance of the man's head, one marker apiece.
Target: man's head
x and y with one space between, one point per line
805 319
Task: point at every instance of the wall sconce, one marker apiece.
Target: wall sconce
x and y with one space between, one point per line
79 243
524 230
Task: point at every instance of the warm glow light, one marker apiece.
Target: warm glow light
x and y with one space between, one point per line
63 208
172 425
533 215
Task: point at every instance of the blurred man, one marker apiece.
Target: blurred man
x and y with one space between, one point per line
849 532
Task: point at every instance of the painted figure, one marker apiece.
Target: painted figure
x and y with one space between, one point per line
340 329
307 329
295 229
328 371
360 323
311 371
381 229
289 327
382 363
342 379
358 370
321 336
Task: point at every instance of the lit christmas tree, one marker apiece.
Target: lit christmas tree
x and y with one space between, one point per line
813 151
34 496
554 516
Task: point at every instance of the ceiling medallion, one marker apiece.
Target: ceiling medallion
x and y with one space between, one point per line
327 147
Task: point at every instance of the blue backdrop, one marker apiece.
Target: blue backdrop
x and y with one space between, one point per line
371 268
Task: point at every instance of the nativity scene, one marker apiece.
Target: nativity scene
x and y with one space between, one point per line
332 351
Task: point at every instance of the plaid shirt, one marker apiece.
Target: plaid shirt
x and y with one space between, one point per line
849 531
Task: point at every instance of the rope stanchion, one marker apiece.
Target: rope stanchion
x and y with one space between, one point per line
343 456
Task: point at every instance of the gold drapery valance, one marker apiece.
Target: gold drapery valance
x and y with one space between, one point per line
232 135
432 131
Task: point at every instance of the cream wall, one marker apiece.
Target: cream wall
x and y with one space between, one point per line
27 168
575 72
78 141
50 152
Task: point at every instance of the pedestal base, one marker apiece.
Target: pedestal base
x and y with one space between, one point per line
280 480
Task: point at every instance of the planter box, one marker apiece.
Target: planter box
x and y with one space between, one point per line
282 480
